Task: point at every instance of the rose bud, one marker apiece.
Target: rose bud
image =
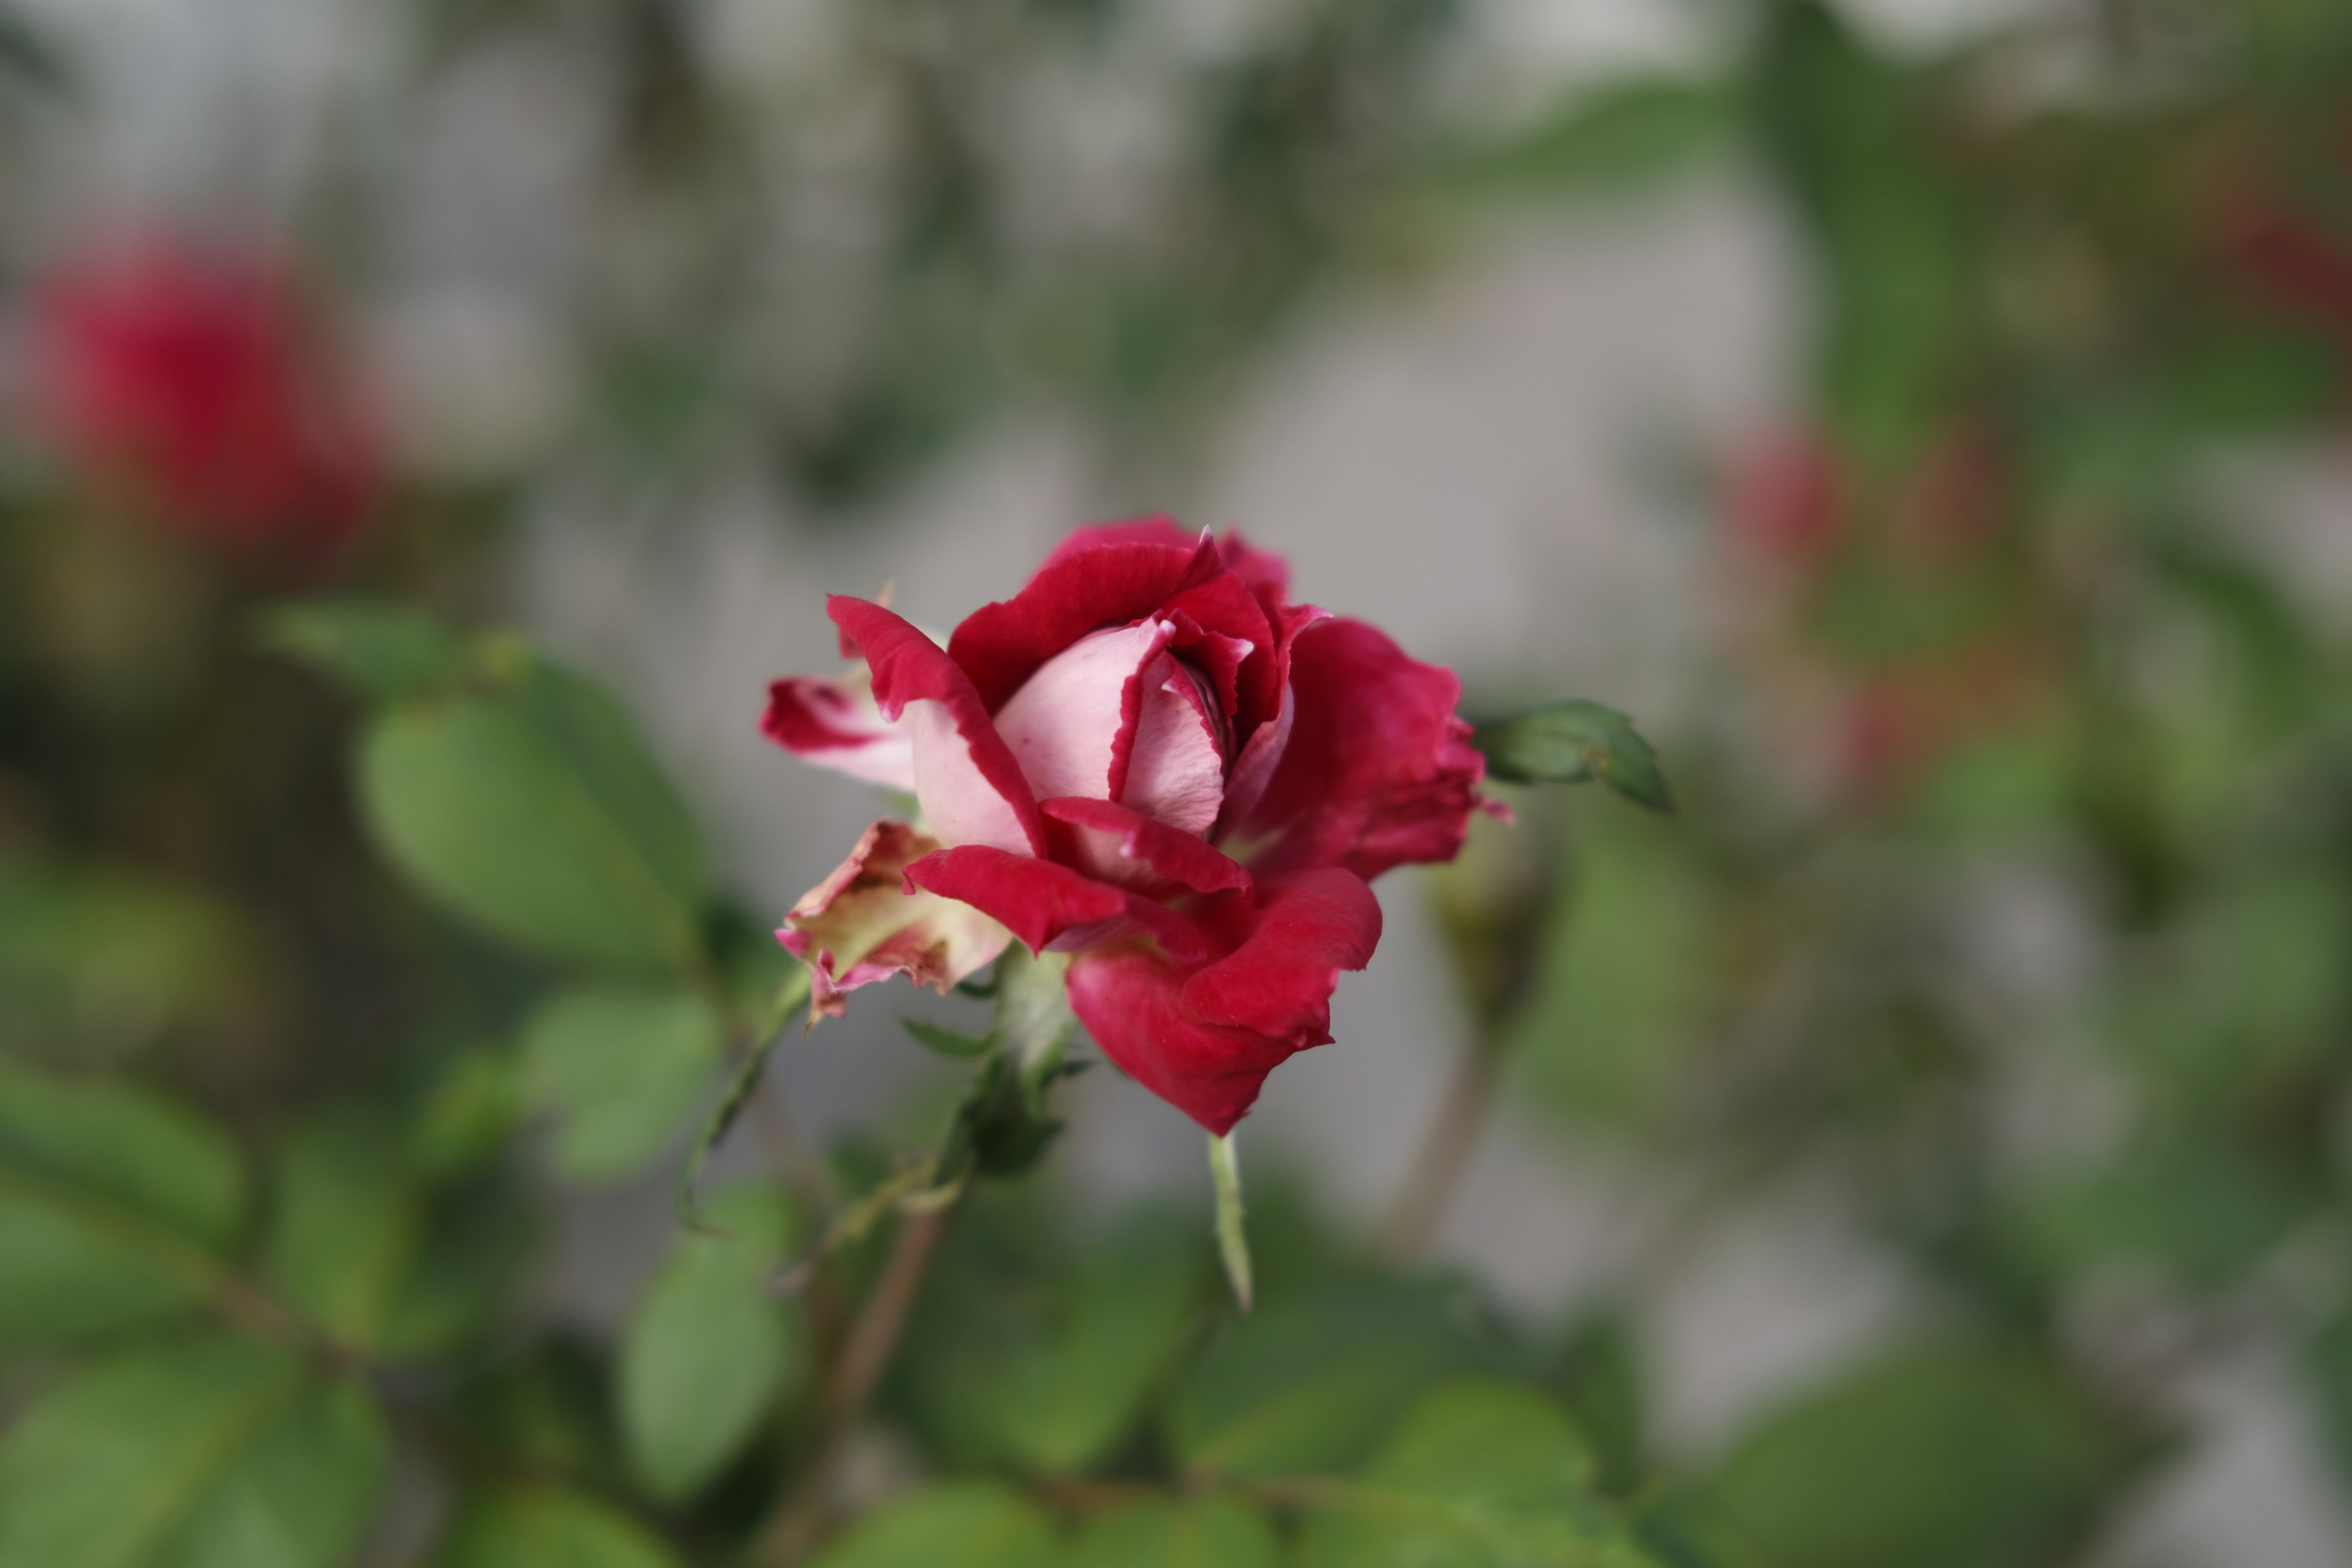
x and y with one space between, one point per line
190 383
1151 759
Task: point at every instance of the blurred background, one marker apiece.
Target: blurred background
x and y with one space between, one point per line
1927 417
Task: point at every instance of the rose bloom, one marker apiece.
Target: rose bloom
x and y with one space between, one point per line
191 381
1150 758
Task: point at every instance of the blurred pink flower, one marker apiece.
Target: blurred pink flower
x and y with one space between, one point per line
192 382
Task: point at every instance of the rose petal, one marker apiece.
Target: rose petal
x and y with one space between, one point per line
1070 721
1114 577
1378 770
1052 906
965 776
1205 1038
1175 769
1113 843
861 924
1261 752
835 724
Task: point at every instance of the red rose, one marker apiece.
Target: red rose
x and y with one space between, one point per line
191 381
1150 758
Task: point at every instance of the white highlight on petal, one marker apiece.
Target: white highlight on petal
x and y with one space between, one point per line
1064 723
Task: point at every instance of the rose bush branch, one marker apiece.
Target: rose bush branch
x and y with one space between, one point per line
1494 926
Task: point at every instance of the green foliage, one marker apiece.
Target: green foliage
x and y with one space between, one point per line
1895 238
115 1207
100 962
1610 1015
622 1070
709 1349
1215 1532
1307 1385
970 1523
1568 742
1946 1454
379 1255
378 649
1052 1374
1478 1474
548 1525
206 1453
534 811
2328 1361
1597 1373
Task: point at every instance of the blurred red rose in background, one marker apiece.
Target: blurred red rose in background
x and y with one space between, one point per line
192 382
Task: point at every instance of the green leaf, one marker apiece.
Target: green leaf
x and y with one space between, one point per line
1477 1475
144 1152
709 1348
548 1528
376 1255
1597 1374
104 959
470 1113
947 1042
1052 1379
1568 742
972 1524
1201 1532
1307 1386
1946 1454
377 649
115 1205
536 813
623 1069
206 1453
1611 1017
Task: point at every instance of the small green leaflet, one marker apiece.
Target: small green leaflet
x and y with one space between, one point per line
1568 742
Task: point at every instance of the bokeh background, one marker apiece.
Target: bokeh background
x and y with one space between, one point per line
1927 417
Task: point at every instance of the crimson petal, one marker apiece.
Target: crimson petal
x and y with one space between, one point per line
1205 1038
1378 770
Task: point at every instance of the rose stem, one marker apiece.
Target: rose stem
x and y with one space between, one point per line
800 1520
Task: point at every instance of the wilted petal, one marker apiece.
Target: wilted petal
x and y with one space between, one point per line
864 924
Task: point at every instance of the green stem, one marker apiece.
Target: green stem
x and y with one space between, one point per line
751 1062
1233 1239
